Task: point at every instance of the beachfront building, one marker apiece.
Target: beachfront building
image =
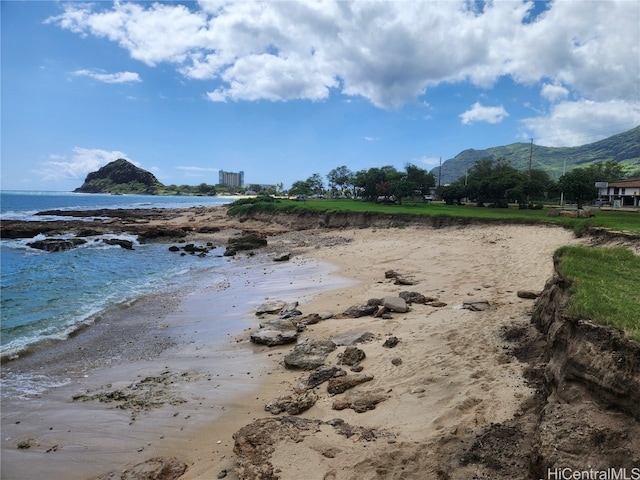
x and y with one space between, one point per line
231 179
623 193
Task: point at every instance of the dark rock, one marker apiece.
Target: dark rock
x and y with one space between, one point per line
279 324
528 294
476 305
282 258
309 355
360 403
390 274
342 384
319 376
374 302
274 306
247 241
360 311
126 244
291 314
292 405
192 248
390 342
438 304
173 248
404 281
413 297
352 356
310 319
207 229
24 444
273 337
397 361
57 244
353 338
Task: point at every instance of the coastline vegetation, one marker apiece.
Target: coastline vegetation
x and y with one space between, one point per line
606 285
615 220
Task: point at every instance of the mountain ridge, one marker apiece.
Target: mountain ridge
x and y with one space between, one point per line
623 148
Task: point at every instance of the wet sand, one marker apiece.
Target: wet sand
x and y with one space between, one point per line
184 354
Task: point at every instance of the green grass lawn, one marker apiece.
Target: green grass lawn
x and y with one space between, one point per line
606 285
614 220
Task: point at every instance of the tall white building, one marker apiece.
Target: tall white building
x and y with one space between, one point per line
231 179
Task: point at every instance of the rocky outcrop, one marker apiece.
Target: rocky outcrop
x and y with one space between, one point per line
292 404
120 176
56 244
246 241
344 383
309 355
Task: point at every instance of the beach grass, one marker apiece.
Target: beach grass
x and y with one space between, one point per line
615 220
606 285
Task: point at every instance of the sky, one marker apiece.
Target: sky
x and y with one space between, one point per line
282 90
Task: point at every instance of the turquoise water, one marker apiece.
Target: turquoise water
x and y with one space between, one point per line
46 296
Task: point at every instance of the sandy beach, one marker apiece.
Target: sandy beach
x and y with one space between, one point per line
450 376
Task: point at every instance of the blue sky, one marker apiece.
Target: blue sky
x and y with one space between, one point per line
283 90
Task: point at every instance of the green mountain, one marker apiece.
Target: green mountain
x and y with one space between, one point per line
120 176
623 148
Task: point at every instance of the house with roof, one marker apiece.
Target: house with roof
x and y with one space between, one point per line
623 193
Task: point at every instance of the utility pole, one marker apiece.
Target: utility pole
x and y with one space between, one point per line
439 177
564 169
530 157
530 160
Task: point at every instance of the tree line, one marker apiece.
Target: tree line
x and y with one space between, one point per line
377 184
490 181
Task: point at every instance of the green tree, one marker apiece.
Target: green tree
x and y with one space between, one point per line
316 186
608 171
300 187
340 181
453 193
579 185
206 189
495 181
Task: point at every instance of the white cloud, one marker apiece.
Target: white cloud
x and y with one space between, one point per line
554 92
370 139
571 124
480 113
82 162
119 77
387 52
429 162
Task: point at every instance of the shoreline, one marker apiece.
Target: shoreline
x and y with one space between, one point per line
454 376
145 339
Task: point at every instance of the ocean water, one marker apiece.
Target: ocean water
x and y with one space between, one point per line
46 296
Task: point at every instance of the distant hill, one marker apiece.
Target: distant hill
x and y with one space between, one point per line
623 148
120 176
